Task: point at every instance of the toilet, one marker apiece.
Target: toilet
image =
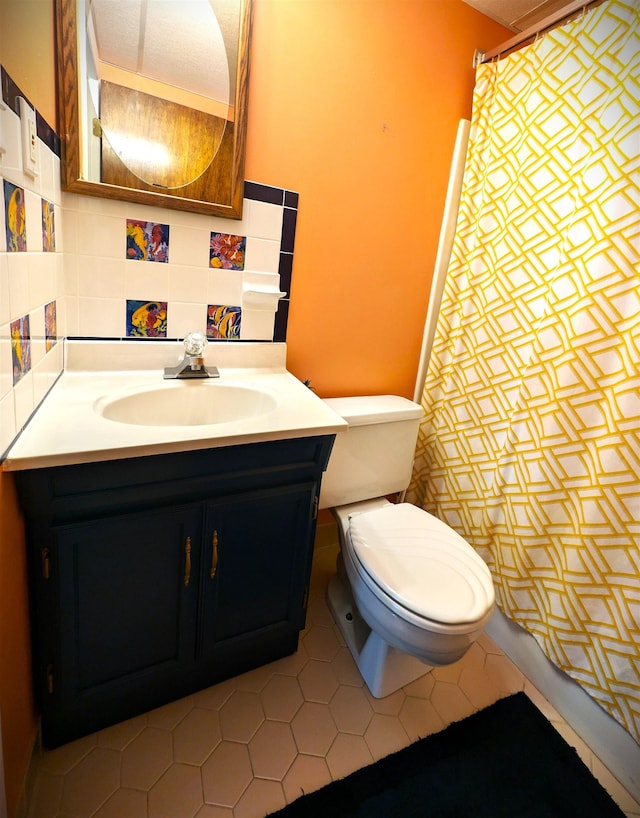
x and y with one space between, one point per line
410 593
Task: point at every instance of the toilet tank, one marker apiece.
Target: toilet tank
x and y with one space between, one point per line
374 456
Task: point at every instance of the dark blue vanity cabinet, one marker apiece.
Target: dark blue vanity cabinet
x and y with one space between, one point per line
153 577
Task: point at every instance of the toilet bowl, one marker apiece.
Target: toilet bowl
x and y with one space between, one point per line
409 593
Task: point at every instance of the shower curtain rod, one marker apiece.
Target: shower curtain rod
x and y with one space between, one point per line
547 23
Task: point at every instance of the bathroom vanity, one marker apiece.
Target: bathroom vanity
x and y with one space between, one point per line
155 573
156 576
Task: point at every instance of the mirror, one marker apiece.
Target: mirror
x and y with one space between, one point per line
152 101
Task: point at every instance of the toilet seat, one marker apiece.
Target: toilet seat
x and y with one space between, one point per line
422 565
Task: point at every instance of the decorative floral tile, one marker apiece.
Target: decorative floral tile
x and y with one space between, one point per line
14 218
20 347
48 228
50 325
146 319
147 241
223 322
227 251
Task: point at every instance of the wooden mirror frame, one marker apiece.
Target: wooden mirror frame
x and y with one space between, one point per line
69 127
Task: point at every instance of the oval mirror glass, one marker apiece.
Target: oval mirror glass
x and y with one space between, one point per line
152 100
156 85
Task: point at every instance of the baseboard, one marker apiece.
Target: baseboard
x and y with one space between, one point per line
613 745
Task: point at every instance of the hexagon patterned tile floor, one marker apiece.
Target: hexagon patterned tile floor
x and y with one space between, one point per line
248 746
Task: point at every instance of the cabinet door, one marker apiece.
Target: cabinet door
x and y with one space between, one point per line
256 566
127 589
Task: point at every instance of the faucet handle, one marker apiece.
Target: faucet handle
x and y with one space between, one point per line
194 344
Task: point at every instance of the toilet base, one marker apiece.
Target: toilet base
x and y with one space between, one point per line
384 668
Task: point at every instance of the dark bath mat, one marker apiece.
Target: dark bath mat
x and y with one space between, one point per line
506 761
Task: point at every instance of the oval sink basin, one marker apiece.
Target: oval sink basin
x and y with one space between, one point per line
186 403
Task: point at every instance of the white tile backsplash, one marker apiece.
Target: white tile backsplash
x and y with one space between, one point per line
269 281
46 372
96 276
99 237
183 318
36 327
18 273
3 234
42 277
145 281
49 167
4 289
224 287
68 309
33 210
262 255
8 428
23 396
189 246
90 278
101 317
187 278
257 325
6 379
187 284
264 220
12 157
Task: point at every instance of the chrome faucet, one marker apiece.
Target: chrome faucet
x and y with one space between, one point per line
192 365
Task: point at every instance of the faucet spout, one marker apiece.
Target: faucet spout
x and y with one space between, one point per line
192 365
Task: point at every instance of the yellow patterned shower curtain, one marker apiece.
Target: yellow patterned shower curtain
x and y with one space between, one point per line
530 447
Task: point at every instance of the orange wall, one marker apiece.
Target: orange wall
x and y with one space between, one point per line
355 104
27 51
16 698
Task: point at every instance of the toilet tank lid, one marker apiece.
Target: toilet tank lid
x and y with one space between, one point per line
368 409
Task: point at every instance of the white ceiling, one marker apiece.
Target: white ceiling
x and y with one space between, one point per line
519 15
159 40
170 41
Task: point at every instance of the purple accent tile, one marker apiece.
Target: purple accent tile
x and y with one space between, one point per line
20 347
11 92
289 220
282 319
146 319
285 269
223 321
263 193
226 251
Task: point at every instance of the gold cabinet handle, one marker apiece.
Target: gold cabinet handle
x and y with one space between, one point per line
214 554
187 562
46 563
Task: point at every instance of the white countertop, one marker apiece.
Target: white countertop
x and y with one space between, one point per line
66 429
